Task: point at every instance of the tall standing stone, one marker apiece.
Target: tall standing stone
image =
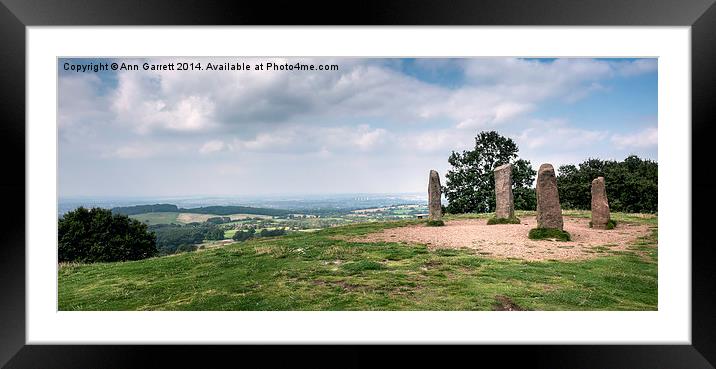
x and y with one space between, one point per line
504 201
434 206
600 204
549 213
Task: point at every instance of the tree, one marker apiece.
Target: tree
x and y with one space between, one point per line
97 235
213 232
244 235
632 184
470 184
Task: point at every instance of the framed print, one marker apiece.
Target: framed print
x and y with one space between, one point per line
472 177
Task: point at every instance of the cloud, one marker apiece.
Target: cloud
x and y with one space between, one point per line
324 140
647 138
132 152
82 107
558 135
143 103
636 67
393 117
211 146
495 91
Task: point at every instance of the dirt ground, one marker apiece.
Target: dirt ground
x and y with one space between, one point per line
511 241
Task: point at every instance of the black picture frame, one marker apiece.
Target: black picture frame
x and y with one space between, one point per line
16 15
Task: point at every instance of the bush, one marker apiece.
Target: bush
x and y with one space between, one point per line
97 235
513 220
435 223
549 233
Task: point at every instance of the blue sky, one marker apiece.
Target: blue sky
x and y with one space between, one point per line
375 125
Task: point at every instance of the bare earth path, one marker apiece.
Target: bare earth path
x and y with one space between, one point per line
511 241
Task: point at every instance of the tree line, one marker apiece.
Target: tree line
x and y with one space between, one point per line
632 184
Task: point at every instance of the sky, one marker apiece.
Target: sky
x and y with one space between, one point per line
375 125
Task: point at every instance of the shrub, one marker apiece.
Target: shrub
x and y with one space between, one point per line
435 223
494 220
549 233
98 235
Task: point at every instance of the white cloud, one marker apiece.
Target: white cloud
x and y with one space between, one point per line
82 108
211 146
636 67
558 135
142 103
647 138
368 116
324 140
497 90
132 152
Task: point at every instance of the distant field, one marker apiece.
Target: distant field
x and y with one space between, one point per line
184 218
157 218
329 270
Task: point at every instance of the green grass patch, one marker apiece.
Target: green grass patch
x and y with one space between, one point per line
157 218
322 270
435 223
548 233
494 220
363 265
611 224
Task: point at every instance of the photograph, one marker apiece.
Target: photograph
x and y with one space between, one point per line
357 184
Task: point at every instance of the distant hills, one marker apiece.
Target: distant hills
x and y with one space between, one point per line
217 210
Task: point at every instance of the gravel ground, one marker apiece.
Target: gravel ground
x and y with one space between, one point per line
511 241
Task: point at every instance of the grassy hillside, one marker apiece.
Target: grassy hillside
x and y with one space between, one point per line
185 218
323 271
157 218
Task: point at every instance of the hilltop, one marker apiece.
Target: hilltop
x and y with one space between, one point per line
332 269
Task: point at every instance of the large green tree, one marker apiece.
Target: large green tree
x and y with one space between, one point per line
470 183
97 235
632 184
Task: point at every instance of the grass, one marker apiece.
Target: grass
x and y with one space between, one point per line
185 218
494 220
435 223
322 270
611 224
157 218
549 234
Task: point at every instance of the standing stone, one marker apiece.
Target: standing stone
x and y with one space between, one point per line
549 213
434 206
504 202
600 204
